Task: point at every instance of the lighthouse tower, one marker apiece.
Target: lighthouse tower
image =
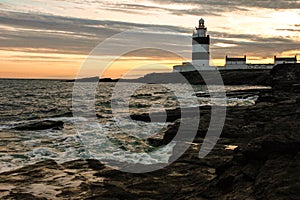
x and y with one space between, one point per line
201 42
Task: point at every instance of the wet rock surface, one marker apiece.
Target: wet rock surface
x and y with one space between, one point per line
257 157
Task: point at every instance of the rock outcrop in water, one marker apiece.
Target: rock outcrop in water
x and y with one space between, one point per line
257 157
41 125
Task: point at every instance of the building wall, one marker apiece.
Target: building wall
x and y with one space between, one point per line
235 62
236 66
284 62
191 67
260 66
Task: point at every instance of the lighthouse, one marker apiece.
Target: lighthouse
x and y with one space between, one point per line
201 42
201 56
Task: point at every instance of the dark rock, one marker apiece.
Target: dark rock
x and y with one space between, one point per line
66 114
251 170
99 116
95 164
242 94
41 125
286 77
279 178
270 145
108 80
23 196
168 116
226 183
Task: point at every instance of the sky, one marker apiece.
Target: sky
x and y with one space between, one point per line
53 38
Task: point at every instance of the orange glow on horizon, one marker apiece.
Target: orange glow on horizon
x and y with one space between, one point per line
66 68
29 63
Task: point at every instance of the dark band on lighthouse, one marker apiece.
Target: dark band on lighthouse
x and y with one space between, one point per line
201 40
200 56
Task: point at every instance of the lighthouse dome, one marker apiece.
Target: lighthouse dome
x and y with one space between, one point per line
201 21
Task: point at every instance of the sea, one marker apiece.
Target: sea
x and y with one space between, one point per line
24 102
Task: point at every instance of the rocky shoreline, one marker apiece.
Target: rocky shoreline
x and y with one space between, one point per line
257 157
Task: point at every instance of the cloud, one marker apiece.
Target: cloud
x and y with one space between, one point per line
67 35
196 7
273 4
62 34
289 29
251 45
137 8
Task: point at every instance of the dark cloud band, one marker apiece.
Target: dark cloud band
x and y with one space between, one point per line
79 36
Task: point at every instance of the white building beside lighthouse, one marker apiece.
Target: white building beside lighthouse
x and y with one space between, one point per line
200 51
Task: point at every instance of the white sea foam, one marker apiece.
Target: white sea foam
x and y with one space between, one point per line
4 127
68 119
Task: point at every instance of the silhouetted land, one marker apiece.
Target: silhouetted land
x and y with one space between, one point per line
232 77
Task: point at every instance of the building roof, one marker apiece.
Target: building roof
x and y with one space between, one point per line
236 59
286 58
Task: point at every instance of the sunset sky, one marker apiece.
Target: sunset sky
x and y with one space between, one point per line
51 39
